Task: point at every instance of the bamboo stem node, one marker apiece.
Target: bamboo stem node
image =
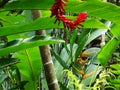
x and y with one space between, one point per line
50 62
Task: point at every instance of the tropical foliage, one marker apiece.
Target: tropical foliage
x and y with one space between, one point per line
84 44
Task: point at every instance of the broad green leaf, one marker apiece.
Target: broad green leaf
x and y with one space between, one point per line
115 66
44 23
116 72
94 23
80 47
21 44
94 70
8 62
28 15
3 76
58 69
92 54
45 13
96 8
66 55
115 81
73 38
30 66
95 33
39 24
36 4
59 65
115 85
82 39
60 60
107 51
11 20
93 0
115 30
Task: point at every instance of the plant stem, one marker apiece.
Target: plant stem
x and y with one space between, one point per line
46 58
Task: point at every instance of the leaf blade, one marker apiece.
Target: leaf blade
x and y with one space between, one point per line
21 44
107 51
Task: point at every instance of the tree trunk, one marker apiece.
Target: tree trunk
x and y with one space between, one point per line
46 59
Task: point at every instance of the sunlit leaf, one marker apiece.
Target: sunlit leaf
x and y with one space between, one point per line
115 66
115 30
116 72
30 66
44 23
95 33
21 44
115 81
82 39
107 50
96 8
36 4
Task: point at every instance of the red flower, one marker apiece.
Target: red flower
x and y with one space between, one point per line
68 23
81 18
58 11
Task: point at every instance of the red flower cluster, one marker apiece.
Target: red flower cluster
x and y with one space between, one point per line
58 11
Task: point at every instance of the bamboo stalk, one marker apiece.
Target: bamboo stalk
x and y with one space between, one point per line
46 59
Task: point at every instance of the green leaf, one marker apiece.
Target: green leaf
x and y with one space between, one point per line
95 33
93 0
11 20
115 81
115 66
8 62
3 76
82 39
36 4
59 59
92 54
115 30
107 51
21 44
116 72
39 24
91 69
30 66
97 8
94 23
73 38
44 23
66 55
